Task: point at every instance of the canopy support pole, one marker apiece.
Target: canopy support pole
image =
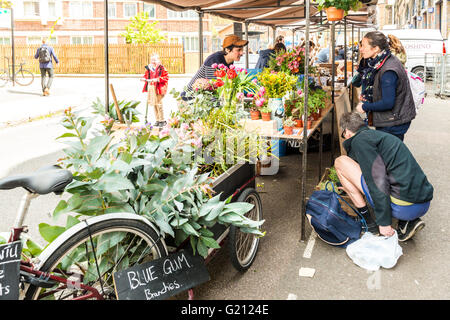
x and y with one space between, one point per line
200 38
345 51
246 51
106 58
274 35
305 117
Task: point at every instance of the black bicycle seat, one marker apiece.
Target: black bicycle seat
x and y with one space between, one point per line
45 180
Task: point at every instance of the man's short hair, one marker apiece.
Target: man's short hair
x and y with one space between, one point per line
351 121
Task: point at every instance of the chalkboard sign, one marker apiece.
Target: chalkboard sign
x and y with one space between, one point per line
10 270
161 278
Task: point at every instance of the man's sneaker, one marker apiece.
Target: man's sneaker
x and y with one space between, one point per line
407 229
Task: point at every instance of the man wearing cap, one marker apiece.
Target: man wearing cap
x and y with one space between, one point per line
233 49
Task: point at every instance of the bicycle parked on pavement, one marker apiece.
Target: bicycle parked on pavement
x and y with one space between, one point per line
80 262
22 76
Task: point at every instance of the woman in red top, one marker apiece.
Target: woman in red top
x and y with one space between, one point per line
157 77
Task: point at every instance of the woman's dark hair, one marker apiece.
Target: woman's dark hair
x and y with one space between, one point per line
351 121
279 47
377 39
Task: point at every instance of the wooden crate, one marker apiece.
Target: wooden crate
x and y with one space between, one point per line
344 205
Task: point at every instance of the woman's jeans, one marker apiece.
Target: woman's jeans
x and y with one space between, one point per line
399 131
46 84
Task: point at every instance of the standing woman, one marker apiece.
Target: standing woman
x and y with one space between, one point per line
386 96
159 77
397 49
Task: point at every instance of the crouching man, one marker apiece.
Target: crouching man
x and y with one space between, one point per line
381 167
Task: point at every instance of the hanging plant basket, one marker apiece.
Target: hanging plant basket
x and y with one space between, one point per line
334 14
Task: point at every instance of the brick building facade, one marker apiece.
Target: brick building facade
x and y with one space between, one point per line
82 22
415 14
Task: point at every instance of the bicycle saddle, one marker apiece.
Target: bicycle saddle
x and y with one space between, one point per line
45 180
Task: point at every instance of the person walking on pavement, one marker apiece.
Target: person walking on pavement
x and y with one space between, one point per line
157 79
46 54
381 167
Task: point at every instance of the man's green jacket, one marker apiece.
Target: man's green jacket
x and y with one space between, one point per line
389 169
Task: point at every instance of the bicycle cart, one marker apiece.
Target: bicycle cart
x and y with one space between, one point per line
59 272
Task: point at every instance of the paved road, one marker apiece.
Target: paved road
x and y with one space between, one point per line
421 273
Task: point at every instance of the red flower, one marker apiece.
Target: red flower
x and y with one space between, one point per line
231 74
219 83
220 73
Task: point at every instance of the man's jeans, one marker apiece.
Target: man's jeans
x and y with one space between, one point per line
44 72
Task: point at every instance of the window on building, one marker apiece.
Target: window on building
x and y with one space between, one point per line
113 40
189 14
190 43
111 10
38 40
5 40
31 8
129 10
150 8
82 40
80 9
52 8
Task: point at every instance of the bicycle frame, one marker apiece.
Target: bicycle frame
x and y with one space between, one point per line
28 266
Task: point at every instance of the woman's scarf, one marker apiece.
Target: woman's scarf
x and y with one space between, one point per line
368 72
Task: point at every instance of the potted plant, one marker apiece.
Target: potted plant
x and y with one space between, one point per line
337 9
266 113
255 114
288 125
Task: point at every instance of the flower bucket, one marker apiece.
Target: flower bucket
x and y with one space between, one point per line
266 116
334 14
298 123
277 107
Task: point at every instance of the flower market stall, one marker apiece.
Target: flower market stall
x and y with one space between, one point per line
218 114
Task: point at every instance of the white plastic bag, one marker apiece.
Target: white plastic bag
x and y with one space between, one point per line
372 252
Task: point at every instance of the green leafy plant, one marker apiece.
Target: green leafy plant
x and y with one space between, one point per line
277 84
147 175
345 5
127 108
289 122
316 100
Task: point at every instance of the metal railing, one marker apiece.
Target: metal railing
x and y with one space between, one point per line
437 71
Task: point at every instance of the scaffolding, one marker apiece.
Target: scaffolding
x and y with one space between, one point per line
437 71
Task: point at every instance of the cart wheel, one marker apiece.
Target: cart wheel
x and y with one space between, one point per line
244 246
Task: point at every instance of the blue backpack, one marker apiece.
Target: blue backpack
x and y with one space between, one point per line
332 224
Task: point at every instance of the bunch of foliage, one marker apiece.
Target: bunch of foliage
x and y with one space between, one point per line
289 122
291 61
147 175
127 109
316 100
276 84
232 83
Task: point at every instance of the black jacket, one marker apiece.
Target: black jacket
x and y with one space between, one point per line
389 169
404 109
